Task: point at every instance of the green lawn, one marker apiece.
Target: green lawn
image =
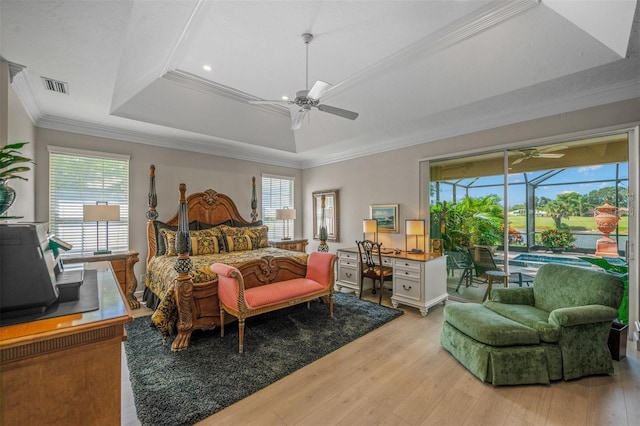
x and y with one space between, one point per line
583 224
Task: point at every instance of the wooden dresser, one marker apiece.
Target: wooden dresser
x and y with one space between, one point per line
122 264
66 370
293 245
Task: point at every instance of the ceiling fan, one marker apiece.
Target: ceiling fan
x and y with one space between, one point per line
307 99
526 154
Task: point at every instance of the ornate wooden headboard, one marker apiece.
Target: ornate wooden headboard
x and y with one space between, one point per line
208 207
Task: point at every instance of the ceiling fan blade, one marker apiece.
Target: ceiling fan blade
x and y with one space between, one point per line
318 89
338 111
297 117
518 161
549 155
553 148
271 102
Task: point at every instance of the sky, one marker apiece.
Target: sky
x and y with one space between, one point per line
578 179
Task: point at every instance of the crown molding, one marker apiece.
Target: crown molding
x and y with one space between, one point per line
616 92
21 84
212 146
203 85
462 29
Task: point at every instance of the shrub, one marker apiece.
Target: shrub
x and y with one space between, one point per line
557 238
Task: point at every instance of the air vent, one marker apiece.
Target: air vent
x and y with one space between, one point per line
55 85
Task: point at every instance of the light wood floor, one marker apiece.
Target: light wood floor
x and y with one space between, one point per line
399 375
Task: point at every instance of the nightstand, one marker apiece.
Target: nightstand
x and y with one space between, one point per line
122 264
293 245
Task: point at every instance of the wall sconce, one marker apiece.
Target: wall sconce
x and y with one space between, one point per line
414 227
98 213
370 226
286 214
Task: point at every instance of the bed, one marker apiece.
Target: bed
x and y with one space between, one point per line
179 286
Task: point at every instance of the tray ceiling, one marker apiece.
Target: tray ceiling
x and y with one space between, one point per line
416 71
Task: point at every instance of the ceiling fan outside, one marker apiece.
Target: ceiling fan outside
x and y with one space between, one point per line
307 99
526 154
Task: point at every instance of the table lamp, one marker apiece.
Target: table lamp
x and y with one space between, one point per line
286 214
370 226
414 227
98 213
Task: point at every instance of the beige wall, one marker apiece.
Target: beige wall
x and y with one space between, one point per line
394 177
198 171
17 126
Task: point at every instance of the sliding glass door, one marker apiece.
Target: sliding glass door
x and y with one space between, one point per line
529 206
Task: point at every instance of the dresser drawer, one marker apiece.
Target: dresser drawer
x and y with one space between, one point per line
348 274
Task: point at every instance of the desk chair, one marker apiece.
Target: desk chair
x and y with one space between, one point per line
371 266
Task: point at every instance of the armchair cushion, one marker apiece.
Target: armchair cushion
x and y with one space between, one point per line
514 296
530 316
570 317
558 286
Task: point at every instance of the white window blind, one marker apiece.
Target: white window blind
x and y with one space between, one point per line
84 177
277 193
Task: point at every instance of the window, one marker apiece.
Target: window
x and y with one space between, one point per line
277 193
78 177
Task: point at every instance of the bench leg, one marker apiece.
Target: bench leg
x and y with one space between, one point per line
240 335
221 322
331 305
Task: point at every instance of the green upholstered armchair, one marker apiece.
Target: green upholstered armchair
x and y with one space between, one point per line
570 306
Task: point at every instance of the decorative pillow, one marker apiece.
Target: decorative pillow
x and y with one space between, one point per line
258 234
206 241
202 242
169 237
203 225
238 224
161 247
239 243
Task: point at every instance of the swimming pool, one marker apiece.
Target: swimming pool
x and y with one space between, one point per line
537 260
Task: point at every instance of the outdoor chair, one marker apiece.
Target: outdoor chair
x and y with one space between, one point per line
483 262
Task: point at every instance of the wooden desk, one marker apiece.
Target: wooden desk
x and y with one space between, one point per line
66 370
419 279
122 264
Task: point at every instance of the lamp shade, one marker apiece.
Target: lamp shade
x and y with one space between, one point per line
369 226
284 214
100 212
414 227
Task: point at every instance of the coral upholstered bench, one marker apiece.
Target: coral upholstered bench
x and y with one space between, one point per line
243 302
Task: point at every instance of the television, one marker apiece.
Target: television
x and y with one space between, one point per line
31 273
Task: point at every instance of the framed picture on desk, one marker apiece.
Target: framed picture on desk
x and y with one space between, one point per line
386 215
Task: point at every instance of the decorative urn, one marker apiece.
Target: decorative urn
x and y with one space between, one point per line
606 217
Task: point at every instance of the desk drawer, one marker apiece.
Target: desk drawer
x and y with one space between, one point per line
407 273
348 255
348 274
407 265
407 288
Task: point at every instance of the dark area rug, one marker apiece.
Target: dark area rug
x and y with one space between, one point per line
185 387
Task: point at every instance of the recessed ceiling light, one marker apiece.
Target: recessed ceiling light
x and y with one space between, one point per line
206 67
285 98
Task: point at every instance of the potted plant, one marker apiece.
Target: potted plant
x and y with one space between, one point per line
619 329
9 157
557 239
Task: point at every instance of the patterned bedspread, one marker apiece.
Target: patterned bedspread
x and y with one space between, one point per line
161 276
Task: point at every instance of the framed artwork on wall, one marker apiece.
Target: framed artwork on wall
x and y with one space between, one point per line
331 214
386 215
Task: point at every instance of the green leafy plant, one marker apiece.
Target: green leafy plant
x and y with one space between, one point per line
557 238
9 156
621 270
